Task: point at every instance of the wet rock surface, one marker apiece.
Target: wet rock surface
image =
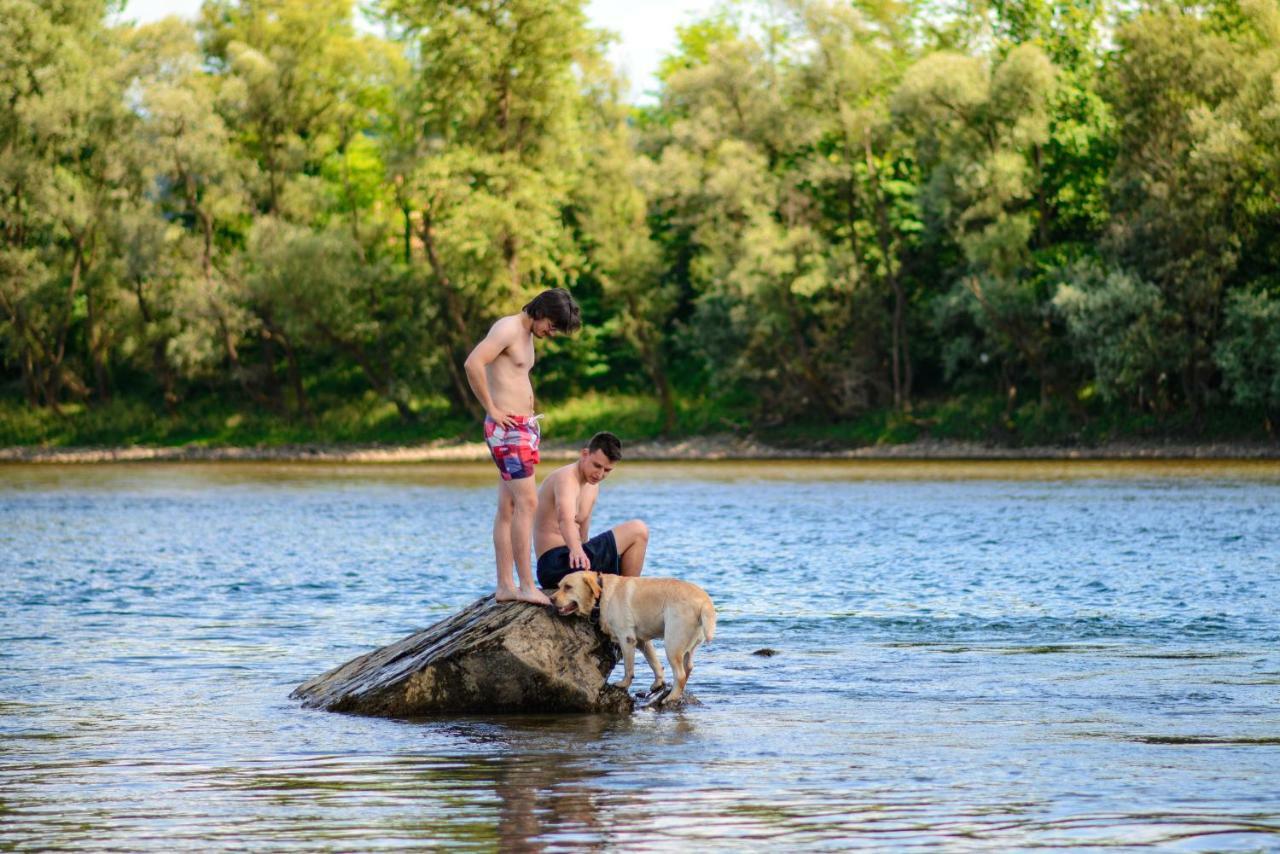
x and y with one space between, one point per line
658 702
490 657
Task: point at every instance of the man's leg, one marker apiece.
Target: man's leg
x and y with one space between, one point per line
502 543
524 494
632 539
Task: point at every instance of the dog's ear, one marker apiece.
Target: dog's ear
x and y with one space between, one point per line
592 584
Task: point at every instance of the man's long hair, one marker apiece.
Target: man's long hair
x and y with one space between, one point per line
558 306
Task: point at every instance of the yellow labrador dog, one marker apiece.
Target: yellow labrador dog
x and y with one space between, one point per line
636 610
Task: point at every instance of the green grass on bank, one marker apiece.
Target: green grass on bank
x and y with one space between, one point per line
368 420
985 420
214 423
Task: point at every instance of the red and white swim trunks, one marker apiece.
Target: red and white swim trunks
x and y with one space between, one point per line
514 449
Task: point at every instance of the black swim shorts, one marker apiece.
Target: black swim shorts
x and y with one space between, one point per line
602 550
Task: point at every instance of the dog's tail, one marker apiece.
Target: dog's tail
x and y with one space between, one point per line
708 618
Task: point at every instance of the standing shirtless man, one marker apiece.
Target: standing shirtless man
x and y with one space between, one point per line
498 370
565 501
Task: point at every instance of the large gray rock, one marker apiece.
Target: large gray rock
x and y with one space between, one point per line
489 657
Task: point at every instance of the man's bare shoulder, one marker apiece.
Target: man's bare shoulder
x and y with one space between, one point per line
562 476
501 335
507 329
564 473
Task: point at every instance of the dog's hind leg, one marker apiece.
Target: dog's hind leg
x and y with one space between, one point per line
680 674
679 646
651 656
688 669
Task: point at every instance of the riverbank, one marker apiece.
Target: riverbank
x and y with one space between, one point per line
722 447
363 430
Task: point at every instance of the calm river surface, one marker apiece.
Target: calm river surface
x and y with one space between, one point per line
970 656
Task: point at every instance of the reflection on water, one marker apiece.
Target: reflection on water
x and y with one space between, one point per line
974 655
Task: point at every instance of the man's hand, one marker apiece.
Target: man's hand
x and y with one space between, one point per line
578 559
506 419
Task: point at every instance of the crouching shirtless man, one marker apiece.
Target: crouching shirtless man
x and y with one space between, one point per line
563 521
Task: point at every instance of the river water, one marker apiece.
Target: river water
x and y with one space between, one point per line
971 656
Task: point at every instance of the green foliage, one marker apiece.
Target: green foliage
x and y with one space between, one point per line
1123 328
488 153
1195 168
1249 351
839 222
696 41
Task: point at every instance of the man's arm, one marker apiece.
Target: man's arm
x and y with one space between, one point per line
584 527
567 490
489 348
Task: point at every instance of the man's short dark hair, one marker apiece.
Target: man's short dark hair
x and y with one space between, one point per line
556 305
607 443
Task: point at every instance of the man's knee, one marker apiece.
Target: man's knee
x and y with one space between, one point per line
506 507
525 501
632 532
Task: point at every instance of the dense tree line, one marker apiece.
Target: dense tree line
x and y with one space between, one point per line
828 207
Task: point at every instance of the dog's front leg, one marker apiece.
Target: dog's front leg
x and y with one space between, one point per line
628 659
651 656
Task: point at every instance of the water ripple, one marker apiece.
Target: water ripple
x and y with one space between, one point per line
969 658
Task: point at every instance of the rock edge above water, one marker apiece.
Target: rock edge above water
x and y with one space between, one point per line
490 657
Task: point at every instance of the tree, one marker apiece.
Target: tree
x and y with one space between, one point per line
1123 328
285 70
978 128
1249 352
775 301
860 156
620 252
1194 180
184 284
59 173
496 98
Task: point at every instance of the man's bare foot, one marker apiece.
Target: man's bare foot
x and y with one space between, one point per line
533 596
505 594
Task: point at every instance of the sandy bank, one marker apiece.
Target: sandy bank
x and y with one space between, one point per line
699 448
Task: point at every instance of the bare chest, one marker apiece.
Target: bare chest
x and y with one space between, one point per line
586 501
519 356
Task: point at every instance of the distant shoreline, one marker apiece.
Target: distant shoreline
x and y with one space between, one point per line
703 448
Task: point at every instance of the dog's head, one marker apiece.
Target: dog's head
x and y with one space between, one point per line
577 593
